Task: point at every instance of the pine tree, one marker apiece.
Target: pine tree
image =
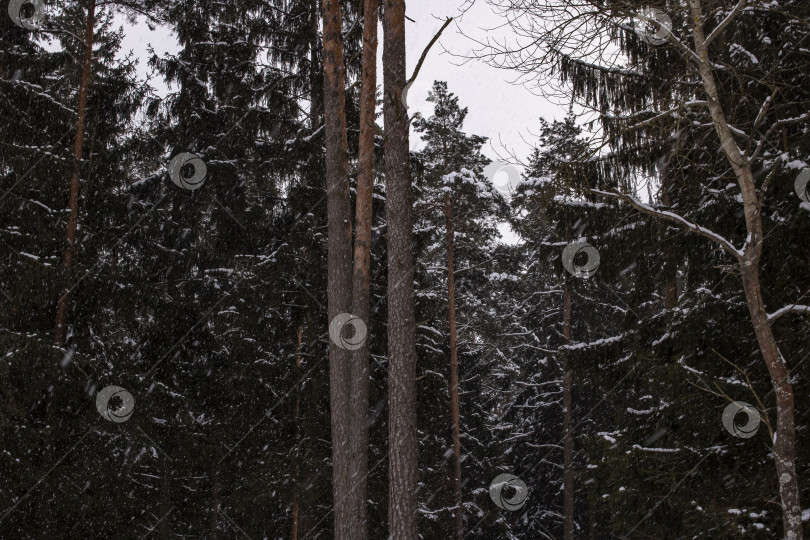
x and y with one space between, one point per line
48 386
457 214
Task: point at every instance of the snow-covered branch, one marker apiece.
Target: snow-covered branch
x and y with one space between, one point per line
675 218
722 26
787 309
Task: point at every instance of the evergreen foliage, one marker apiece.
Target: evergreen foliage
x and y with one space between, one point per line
209 306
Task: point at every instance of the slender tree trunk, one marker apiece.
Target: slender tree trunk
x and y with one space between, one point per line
296 479
339 261
568 461
785 436
454 400
361 289
568 444
401 322
60 332
454 404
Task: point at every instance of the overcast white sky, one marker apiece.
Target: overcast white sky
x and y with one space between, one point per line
504 112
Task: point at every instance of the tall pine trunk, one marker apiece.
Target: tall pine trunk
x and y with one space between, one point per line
749 260
568 444
361 289
454 405
60 331
401 322
339 261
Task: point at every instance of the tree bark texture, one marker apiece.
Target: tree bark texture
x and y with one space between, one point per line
361 289
402 511
339 261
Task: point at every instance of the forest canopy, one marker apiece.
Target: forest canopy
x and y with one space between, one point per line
248 290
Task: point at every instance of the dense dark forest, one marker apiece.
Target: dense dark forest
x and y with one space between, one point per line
251 307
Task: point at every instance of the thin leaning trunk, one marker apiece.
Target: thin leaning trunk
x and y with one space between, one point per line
454 404
749 260
402 511
361 280
60 331
339 261
785 436
568 444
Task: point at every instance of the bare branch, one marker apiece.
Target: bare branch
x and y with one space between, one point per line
427 49
774 126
